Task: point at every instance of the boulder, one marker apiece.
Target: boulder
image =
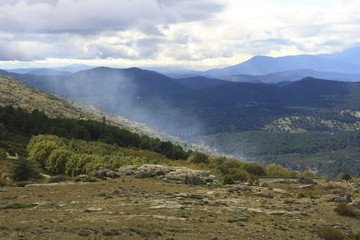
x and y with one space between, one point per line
55 179
180 175
191 176
105 173
339 198
355 204
309 186
307 181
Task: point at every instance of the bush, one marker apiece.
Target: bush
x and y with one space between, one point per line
301 195
344 209
329 233
345 176
24 170
276 170
2 181
228 180
198 157
308 174
254 169
354 236
240 175
20 205
21 184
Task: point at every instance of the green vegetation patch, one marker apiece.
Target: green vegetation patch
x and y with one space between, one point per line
19 205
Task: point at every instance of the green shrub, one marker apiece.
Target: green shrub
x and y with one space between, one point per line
21 184
301 195
20 205
240 175
354 236
24 170
308 174
276 170
329 233
344 209
228 180
345 176
198 157
89 179
2 181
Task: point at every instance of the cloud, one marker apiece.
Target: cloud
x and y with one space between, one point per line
191 10
186 32
81 17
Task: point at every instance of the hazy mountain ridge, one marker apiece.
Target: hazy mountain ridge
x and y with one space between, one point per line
261 65
291 76
15 93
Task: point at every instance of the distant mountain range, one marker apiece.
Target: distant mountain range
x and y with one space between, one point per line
62 71
291 76
261 65
342 66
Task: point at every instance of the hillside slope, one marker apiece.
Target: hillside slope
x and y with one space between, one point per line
15 93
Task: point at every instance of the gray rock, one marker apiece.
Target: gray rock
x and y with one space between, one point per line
45 203
339 198
308 186
306 181
56 179
239 219
82 176
93 209
264 195
180 175
105 173
355 204
237 188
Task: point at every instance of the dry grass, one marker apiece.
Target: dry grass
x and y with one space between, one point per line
130 208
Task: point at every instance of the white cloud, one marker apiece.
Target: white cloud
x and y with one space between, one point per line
197 33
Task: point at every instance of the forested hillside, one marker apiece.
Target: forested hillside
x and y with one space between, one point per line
303 119
17 123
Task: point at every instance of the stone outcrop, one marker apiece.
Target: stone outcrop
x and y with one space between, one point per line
180 175
338 198
105 173
355 204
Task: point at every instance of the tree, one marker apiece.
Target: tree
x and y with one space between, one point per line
56 162
24 170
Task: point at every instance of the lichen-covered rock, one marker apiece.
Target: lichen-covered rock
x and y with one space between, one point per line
105 173
181 175
306 181
55 179
355 204
339 198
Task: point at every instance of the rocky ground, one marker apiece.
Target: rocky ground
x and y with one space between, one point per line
148 203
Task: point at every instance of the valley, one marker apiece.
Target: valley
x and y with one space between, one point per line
201 111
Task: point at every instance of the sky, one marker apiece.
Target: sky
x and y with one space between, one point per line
191 34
